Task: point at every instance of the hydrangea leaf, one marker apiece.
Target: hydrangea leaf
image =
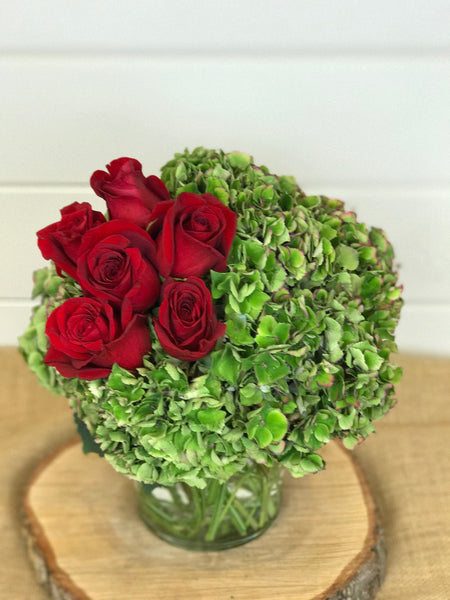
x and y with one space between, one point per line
256 252
333 332
225 366
221 283
373 360
212 419
238 331
370 286
191 188
263 436
268 369
346 420
239 160
253 304
250 394
312 463
347 257
350 441
324 379
277 424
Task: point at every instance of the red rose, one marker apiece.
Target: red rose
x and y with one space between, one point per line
61 241
129 195
187 325
196 236
116 264
86 339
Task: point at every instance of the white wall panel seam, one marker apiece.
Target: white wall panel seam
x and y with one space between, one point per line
17 302
208 56
335 53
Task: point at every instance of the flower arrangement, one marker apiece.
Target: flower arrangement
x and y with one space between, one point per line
214 315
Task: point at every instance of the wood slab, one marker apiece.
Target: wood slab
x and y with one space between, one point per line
87 542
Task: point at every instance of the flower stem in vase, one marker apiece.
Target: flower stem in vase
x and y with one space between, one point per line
220 516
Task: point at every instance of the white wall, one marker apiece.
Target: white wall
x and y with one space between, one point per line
351 97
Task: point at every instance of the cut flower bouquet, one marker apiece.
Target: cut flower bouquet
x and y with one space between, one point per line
214 316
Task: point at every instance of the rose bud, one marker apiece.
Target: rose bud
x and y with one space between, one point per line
196 236
86 339
116 264
187 325
129 195
61 241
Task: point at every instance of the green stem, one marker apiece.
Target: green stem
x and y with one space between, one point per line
234 507
228 505
264 501
216 514
213 491
173 490
199 512
250 520
246 515
151 509
215 519
240 525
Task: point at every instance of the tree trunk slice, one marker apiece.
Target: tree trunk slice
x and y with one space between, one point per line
87 542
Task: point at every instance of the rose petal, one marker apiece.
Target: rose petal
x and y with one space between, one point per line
61 241
92 322
63 365
129 209
115 264
129 349
129 195
193 257
196 236
187 326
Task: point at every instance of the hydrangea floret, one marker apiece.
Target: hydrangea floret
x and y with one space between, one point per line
295 304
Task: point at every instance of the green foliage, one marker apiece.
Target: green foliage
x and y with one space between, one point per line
311 302
89 444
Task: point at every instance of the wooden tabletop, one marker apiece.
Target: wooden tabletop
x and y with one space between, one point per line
407 464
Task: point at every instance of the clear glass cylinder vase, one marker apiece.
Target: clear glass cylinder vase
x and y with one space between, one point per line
218 517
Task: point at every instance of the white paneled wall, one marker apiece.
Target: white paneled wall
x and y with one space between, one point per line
351 98
231 25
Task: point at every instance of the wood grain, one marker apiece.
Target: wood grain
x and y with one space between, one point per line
405 464
87 542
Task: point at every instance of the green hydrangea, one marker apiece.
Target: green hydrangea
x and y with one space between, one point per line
311 302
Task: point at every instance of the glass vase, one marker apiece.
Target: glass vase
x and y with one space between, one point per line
218 517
